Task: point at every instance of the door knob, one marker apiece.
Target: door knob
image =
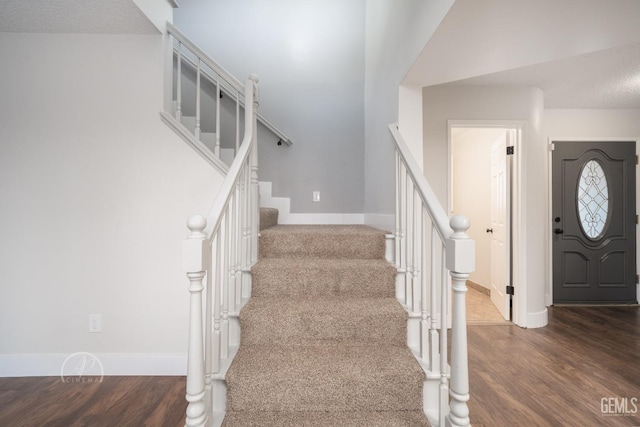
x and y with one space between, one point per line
489 230
558 231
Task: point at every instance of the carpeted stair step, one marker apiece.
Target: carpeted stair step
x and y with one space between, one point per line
313 278
271 321
268 218
324 378
326 419
322 241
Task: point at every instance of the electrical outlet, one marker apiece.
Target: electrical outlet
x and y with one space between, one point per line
316 196
95 323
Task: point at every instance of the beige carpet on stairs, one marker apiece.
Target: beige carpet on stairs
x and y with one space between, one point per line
323 339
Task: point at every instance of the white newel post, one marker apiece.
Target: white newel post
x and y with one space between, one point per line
460 262
194 262
255 190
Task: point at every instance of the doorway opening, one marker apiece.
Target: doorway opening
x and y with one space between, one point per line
484 184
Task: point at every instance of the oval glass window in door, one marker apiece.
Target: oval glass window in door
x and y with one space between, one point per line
593 199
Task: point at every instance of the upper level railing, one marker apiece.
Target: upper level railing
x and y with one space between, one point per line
427 245
198 112
221 248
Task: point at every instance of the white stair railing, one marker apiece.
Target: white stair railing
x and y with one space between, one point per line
212 83
217 256
427 245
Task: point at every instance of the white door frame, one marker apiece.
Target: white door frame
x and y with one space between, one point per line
548 294
518 213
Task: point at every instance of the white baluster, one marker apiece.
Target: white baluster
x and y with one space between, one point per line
233 297
400 288
216 150
416 250
194 254
179 85
237 121
461 262
434 345
238 242
409 245
444 311
208 326
246 226
255 189
424 286
224 232
217 297
197 130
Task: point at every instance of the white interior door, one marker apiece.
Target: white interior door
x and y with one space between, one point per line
500 227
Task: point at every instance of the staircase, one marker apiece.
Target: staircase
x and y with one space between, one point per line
331 333
323 338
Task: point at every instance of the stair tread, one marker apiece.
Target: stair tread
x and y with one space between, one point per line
348 377
326 419
270 321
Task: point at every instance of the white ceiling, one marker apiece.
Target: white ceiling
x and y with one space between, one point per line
605 79
74 16
581 53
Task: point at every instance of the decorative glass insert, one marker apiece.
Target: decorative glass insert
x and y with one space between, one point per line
593 199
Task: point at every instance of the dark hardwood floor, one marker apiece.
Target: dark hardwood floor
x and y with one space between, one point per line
552 376
114 402
557 375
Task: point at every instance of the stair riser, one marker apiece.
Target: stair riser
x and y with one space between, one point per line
348 322
390 395
268 218
322 246
315 281
327 419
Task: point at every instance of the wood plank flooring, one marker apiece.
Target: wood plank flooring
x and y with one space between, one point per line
115 402
559 374
552 376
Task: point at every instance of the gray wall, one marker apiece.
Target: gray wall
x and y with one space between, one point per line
310 59
396 33
94 200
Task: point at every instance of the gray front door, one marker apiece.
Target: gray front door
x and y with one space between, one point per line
594 222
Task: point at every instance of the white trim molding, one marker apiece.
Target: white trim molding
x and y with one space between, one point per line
520 315
285 216
134 364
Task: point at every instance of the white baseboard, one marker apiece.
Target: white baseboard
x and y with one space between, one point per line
538 320
320 218
127 364
381 221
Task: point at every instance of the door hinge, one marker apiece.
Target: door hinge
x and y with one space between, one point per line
636 219
552 146
510 150
636 159
510 290
637 279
